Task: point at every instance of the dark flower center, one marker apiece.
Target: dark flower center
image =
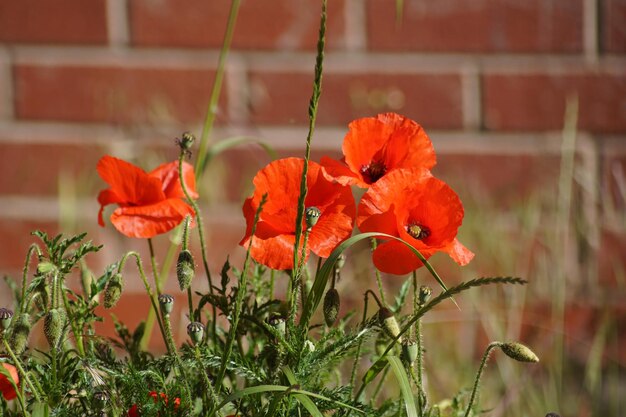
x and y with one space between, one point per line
372 172
418 231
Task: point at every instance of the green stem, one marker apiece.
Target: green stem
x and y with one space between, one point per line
209 119
155 308
241 293
296 281
31 249
207 382
169 337
78 334
357 356
19 367
203 247
483 362
379 281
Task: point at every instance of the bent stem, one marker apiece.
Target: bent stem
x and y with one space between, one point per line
19 367
155 308
483 362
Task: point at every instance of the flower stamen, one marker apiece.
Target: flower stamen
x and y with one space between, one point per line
418 231
373 171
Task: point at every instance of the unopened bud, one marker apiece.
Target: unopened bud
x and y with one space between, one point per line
6 316
166 302
409 351
312 215
331 306
54 325
389 323
424 294
185 269
195 330
19 333
519 352
113 290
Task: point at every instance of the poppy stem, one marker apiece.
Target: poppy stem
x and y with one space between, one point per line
483 362
418 339
357 356
19 367
203 248
34 247
379 281
155 309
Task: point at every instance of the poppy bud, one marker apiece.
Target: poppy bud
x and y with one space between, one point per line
278 323
186 141
6 316
195 330
53 326
519 352
166 302
331 306
312 216
20 332
409 351
389 323
424 294
185 269
113 290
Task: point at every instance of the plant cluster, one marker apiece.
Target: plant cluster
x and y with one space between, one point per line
252 350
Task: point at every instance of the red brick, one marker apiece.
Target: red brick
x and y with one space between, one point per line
261 24
59 21
537 101
37 172
434 100
613 27
111 93
477 26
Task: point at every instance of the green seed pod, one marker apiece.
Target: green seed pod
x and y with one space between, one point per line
186 141
185 269
278 323
331 306
409 351
424 294
195 330
312 215
53 326
519 352
19 333
389 323
6 316
113 290
166 302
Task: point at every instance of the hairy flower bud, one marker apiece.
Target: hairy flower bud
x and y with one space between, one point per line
6 316
409 351
166 302
195 330
312 215
331 306
113 290
389 323
53 326
519 352
186 141
185 269
19 333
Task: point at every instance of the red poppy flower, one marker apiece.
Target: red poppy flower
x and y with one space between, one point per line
275 233
375 146
149 203
6 388
134 410
422 210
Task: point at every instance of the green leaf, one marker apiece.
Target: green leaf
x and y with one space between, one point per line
235 141
321 279
405 385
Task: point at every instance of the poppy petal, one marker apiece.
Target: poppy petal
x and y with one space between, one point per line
459 253
168 175
151 220
130 183
6 387
275 252
106 197
396 258
339 171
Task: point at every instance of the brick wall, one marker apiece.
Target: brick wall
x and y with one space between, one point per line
488 79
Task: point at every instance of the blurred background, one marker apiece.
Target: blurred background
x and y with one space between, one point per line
525 102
